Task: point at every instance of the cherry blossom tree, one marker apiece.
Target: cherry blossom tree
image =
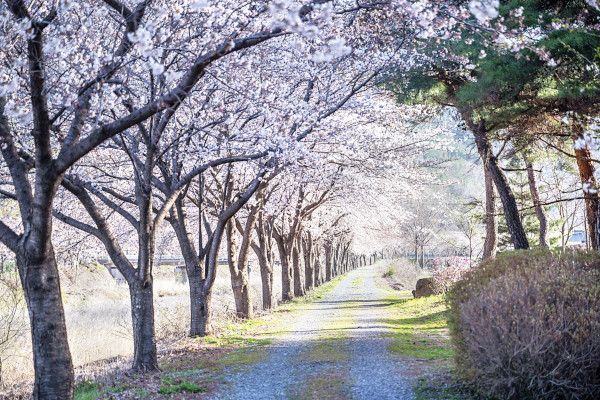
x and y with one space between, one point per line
62 99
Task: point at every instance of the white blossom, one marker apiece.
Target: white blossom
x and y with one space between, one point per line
198 5
484 10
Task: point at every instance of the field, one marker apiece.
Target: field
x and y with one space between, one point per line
99 319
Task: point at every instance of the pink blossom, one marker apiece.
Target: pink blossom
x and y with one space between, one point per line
448 271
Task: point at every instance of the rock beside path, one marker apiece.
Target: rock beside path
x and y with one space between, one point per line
424 288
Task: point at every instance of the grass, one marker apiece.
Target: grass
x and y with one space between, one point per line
241 343
170 387
87 390
419 327
317 293
442 387
328 350
332 386
141 393
90 390
358 281
235 340
244 356
275 323
389 272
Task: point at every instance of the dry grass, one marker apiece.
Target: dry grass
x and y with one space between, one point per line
99 321
400 274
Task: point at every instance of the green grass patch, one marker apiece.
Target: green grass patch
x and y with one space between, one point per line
275 322
171 387
420 349
419 327
87 390
389 272
228 341
326 386
337 327
244 356
330 350
317 293
357 283
141 393
90 390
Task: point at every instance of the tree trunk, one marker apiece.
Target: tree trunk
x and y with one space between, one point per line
509 204
334 261
328 271
345 262
200 321
586 173
308 263
337 256
51 356
491 220
264 254
286 270
266 275
539 209
242 294
238 268
416 252
297 268
317 266
142 315
200 316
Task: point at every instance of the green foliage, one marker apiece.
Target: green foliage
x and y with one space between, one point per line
417 88
87 390
500 84
418 328
389 272
525 325
141 393
90 390
170 387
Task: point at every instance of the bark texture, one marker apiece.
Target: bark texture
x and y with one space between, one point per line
264 253
298 270
51 356
307 251
328 262
509 204
586 173
142 315
238 268
540 212
490 246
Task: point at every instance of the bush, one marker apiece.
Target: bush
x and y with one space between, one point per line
527 326
448 271
389 272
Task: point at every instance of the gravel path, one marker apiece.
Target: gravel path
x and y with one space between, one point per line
334 350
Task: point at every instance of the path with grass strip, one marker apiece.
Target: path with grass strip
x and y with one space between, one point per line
339 347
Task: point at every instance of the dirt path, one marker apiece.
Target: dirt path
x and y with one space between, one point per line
336 349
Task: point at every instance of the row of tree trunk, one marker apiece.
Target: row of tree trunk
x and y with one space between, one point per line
495 178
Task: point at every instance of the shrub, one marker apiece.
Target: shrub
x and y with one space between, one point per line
527 325
389 272
448 271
